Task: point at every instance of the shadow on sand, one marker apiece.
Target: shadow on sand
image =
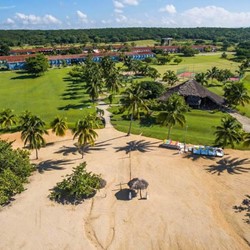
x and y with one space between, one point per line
229 165
244 207
51 165
85 150
141 146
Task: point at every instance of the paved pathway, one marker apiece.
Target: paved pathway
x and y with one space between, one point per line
245 121
102 105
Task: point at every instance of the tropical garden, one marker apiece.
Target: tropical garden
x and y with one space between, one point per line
67 98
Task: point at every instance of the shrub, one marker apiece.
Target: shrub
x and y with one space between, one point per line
77 186
15 167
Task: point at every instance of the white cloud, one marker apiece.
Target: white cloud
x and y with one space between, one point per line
118 11
82 17
131 2
118 5
9 21
214 16
121 19
36 20
169 9
7 7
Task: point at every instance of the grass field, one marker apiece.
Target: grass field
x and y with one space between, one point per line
55 94
47 96
199 63
199 128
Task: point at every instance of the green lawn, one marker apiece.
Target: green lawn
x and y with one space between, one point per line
199 128
199 63
47 96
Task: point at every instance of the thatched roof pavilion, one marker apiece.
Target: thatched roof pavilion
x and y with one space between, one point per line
195 95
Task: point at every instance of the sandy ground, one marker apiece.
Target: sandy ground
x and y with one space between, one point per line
189 206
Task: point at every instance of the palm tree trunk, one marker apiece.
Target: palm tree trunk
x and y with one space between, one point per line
140 194
169 128
130 125
36 153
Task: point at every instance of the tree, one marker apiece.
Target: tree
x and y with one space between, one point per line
229 132
177 60
133 102
84 131
170 77
37 65
7 118
77 186
201 78
188 51
113 81
59 126
93 77
4 50
153 73
212 73
246 139
152 89
223 75
14 171
32 133
173 113
236 94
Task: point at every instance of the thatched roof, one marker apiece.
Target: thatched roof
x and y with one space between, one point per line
193 88
137 183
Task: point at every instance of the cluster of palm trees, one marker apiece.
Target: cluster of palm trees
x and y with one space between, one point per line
98 76
33 128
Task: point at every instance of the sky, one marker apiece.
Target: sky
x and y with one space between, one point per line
75 14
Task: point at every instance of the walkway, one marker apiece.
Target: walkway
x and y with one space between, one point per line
245 121
102 105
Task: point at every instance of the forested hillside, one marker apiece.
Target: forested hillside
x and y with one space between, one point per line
111 35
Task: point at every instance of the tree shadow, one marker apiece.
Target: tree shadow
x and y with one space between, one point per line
83 150
147 121
195 157
83 104
67 151
244 206
23 77
97 147
141 146
51 165
231 166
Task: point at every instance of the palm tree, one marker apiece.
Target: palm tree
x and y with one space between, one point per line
59 126
153 73
201 78
113 81
7 118
229 132
32 133
175 107
213 73
236 94
84 131
93 77
246 140
170 77
24 118
132 102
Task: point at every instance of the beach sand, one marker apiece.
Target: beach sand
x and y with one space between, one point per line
189 206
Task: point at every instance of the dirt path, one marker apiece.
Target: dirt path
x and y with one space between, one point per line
190 204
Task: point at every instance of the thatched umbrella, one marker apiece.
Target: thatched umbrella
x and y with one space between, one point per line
138 184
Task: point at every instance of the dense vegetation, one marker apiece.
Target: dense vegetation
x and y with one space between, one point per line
112 35
15 168
77 186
